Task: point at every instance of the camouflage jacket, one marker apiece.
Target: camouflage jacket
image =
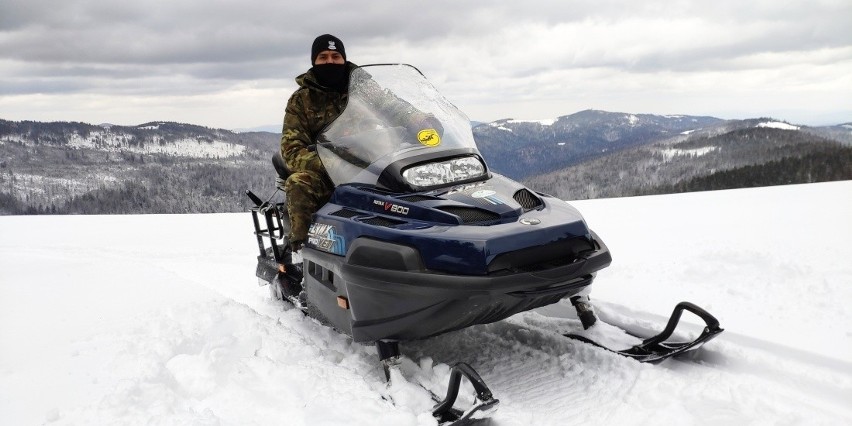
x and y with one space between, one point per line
309 110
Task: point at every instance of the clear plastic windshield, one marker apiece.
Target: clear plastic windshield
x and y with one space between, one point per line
392 113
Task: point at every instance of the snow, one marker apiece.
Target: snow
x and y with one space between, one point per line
687 132
120 142
632 119
13 138
500 124
545 122
50 189
778 125
670 153
157 319
186 147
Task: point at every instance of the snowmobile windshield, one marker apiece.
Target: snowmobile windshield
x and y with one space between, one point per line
395 116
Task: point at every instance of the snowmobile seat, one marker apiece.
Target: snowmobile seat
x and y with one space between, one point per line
280 166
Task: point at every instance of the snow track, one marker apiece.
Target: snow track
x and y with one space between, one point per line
157 319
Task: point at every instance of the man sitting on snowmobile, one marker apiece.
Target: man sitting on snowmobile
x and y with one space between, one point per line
320 99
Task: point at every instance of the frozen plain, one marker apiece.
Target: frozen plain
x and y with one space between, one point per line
158 320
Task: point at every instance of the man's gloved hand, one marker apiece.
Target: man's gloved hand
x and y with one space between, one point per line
422 121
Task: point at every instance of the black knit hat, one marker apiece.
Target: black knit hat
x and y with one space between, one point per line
326 42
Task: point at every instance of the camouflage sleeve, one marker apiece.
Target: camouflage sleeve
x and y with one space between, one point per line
295 139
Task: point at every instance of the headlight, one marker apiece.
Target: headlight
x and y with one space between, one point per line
449 171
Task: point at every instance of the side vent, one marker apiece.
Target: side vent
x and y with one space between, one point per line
382 221
322 275
471 216
346 213
527 200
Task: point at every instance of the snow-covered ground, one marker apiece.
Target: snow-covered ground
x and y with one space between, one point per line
186 147
545 122
159 320
778 125
121 142
670 153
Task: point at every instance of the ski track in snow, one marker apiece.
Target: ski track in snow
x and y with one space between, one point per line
158 319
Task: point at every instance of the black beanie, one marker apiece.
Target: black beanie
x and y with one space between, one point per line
326 42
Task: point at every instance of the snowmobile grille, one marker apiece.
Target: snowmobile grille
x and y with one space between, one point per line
471 215
541 257
382 221
527 200
347 213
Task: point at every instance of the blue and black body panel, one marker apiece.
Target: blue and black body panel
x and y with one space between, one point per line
400 266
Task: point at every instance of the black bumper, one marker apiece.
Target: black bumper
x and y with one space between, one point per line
403 302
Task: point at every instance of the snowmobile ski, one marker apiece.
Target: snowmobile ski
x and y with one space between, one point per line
485 404
443 411
656 349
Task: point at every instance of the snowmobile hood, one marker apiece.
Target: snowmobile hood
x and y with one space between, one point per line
472 230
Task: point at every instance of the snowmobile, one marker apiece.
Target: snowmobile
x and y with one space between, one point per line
420 238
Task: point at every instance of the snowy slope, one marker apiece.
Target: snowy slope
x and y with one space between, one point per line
158 319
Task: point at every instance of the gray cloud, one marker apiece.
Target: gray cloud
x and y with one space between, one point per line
537 49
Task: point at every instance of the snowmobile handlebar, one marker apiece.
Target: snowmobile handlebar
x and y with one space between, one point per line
254 198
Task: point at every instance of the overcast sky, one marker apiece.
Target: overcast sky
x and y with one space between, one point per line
231 63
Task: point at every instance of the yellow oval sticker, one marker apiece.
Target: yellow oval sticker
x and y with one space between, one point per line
429 137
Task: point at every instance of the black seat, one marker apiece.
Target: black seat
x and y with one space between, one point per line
280 167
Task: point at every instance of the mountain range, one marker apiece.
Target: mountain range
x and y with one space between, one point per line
521 148
167 167
595 154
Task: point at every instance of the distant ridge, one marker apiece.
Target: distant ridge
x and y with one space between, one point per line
170 167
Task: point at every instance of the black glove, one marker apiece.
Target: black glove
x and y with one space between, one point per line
422 121
433 123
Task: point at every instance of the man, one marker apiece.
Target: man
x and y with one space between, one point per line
319 100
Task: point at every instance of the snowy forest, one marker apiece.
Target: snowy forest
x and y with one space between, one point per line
77 168
742 158
165 167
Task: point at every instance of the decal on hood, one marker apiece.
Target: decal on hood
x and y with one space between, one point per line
488 196
392 208
325 237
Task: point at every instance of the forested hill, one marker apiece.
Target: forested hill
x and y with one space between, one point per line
162 167
149 138
754 153
519 148
165 167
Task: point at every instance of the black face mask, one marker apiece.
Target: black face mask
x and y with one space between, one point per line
333 76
